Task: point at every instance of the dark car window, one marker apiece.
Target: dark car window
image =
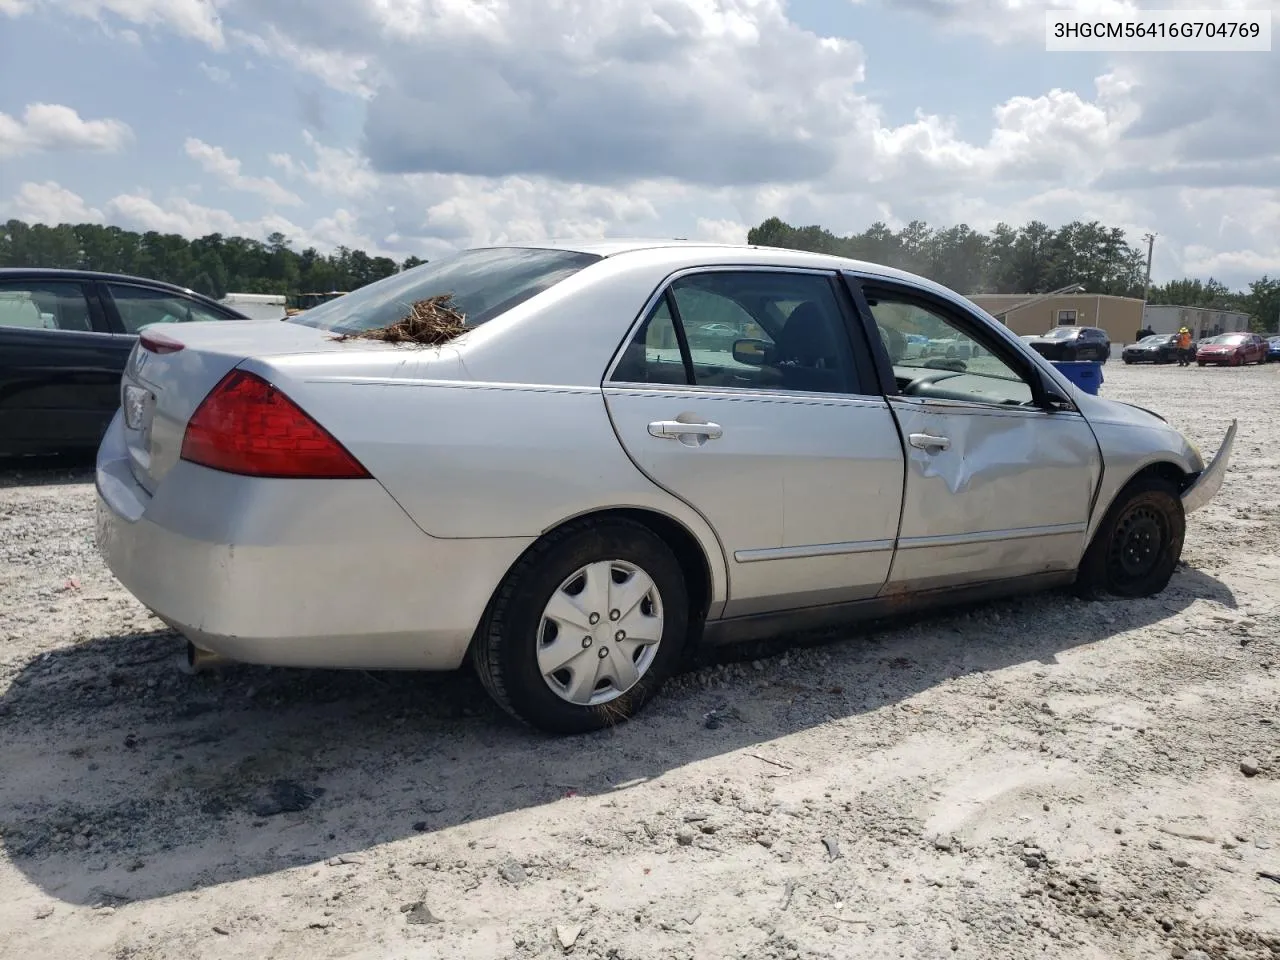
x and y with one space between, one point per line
142 306
794 327
484 283
44 305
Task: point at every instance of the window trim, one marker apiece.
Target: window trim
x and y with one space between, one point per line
1067 323
973 326
98 323
863 362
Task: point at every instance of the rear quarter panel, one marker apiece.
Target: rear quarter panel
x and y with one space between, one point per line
482 459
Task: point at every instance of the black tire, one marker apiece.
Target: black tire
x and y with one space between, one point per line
1138 544
504 653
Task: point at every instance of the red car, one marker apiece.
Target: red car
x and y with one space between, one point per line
1232 349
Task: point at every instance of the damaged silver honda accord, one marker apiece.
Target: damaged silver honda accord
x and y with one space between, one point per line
606 452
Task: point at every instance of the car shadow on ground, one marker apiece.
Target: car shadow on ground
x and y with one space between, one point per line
126 779
46 471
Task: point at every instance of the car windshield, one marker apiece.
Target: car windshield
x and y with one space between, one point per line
1157 338
1229 339
484 283
1062 333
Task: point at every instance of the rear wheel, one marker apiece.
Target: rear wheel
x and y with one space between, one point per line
585 628
1138 544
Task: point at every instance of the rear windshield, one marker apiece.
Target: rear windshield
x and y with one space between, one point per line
484 283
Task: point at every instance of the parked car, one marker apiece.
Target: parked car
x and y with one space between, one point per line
1232 349
1157 348
566 500
65 336
1073 343
1273 348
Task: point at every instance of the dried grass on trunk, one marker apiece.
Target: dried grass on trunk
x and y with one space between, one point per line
431 322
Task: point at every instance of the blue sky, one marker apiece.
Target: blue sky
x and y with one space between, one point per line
415 126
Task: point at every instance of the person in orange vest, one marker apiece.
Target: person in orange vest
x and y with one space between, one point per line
1184 347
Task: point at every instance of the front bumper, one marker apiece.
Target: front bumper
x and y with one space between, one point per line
1206 485
306 573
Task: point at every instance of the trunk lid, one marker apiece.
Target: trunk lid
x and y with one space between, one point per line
174 366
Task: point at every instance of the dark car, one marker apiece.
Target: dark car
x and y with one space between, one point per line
1273 348
1073 343
65 337
1157 348
1232 349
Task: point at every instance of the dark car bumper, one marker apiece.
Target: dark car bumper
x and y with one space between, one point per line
1143 356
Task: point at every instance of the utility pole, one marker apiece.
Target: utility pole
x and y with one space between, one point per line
1146 286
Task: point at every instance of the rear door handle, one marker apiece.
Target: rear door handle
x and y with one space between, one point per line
927 441
675 429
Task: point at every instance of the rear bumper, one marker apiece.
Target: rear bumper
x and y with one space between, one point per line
325 573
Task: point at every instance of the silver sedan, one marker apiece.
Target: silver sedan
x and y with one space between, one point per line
573 490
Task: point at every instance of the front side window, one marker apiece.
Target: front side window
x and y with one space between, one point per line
44 305
141 306
483 283
933 355
756 330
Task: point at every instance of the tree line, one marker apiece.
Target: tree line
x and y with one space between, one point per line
1034 258
214 265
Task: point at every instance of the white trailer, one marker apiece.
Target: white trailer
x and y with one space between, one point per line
257 306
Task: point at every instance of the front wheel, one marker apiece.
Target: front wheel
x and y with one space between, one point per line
585 628
1138 544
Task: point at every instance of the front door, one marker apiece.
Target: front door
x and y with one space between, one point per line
997 487
746 394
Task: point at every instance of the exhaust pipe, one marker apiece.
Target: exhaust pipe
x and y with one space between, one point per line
199 660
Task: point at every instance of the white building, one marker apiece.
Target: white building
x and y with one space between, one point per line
257 306
1201 321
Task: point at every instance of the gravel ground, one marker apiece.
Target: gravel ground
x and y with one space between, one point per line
1043 777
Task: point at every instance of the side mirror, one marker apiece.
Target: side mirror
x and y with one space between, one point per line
1055 399
753 353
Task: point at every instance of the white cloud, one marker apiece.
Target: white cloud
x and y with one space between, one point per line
50 203
491 120
721 231
195 19
215 74
53 127
216 162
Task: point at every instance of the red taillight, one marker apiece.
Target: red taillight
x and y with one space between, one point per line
159 343
246 425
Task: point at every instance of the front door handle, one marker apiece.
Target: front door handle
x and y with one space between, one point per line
927 441
675 429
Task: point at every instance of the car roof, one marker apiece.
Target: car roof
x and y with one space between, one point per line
734 253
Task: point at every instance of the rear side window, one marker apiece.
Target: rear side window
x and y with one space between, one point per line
44 305
484 283
141 306
753 330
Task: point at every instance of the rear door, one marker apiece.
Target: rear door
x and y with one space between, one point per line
59 366
769 422
997 486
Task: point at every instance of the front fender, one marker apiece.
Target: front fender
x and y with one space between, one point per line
1129 448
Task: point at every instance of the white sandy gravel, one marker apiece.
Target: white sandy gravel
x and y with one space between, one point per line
1043 777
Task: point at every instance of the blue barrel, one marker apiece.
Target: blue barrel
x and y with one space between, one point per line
1085 374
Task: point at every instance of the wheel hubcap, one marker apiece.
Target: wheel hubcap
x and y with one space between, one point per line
600 632
1138 543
